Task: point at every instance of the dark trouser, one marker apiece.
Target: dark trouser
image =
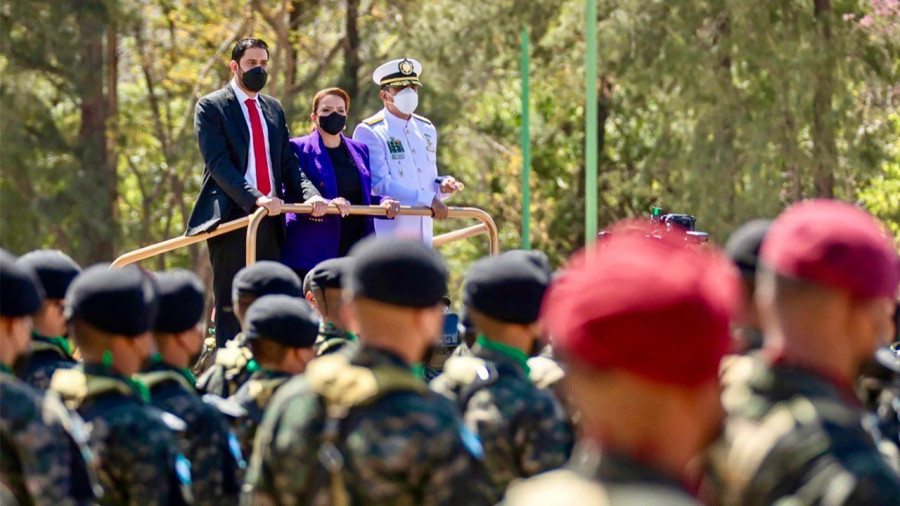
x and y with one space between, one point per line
228 254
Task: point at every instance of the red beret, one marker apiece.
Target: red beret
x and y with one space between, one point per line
654 307
834 244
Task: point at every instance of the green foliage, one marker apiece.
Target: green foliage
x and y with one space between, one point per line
727 109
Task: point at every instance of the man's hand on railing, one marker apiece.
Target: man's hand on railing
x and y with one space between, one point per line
319 206
439 209
343 206
392 208
273 205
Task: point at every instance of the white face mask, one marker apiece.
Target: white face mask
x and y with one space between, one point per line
406 101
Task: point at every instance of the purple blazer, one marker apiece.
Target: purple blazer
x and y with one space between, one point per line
311 240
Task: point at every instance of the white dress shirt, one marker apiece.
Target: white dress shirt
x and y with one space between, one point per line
250 175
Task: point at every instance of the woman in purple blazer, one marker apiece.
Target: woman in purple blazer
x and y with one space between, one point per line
339 169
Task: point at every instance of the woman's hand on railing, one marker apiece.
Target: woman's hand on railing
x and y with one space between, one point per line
392 208
343 206
319 206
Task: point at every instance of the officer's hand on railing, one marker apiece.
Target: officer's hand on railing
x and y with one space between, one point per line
273 205
439 209
343 206
319 206
449 185
392 208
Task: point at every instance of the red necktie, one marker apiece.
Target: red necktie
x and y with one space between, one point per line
259 149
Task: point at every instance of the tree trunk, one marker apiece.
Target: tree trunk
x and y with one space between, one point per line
349 80
824 146
97 186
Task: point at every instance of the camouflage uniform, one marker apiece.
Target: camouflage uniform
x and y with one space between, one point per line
207 441
47 355
233 366
332 339
524 430
253 396
792 435
594 480
395 443
136 449
45 456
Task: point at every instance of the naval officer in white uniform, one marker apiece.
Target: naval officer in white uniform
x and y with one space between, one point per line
403 153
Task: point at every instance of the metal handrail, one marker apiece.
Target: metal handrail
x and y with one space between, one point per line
487 226
453 212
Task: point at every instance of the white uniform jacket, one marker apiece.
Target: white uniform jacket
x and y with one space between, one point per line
403 159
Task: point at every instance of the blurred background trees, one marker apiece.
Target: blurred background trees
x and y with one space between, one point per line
726 109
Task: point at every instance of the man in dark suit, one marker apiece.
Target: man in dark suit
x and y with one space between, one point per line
243 139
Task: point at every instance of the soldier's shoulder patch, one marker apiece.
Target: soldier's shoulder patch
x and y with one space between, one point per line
375 119
470 441
423 119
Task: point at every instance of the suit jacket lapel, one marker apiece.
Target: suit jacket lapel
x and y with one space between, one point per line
364 178
323 162
234 107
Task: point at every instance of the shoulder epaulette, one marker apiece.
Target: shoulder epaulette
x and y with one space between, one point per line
345 385
545 372
73 386
374 120
422 118
467 370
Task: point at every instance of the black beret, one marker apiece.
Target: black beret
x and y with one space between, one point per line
284 319
506 288
537 257
266 278
329 273
55 269
117 301
181 301
21 293
399 272
743 245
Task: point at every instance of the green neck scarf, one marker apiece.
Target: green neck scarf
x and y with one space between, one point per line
418 370
60 342
5 368
518 356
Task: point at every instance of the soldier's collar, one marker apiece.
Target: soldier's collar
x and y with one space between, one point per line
158 364
6 369
59 342
518 356
102 370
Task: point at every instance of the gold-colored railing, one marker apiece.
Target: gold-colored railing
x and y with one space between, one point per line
251 223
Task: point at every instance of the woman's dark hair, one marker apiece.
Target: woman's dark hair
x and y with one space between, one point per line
246 43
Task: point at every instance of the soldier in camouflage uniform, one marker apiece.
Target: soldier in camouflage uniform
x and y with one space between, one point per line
234 363
281 332
366 430
44 454
622 318
111 312
322 287
524 430
795 432
743 249
50 349
207 441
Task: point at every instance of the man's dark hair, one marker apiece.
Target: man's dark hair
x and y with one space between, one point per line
246 43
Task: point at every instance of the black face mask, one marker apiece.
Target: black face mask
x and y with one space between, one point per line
255 78
333 123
